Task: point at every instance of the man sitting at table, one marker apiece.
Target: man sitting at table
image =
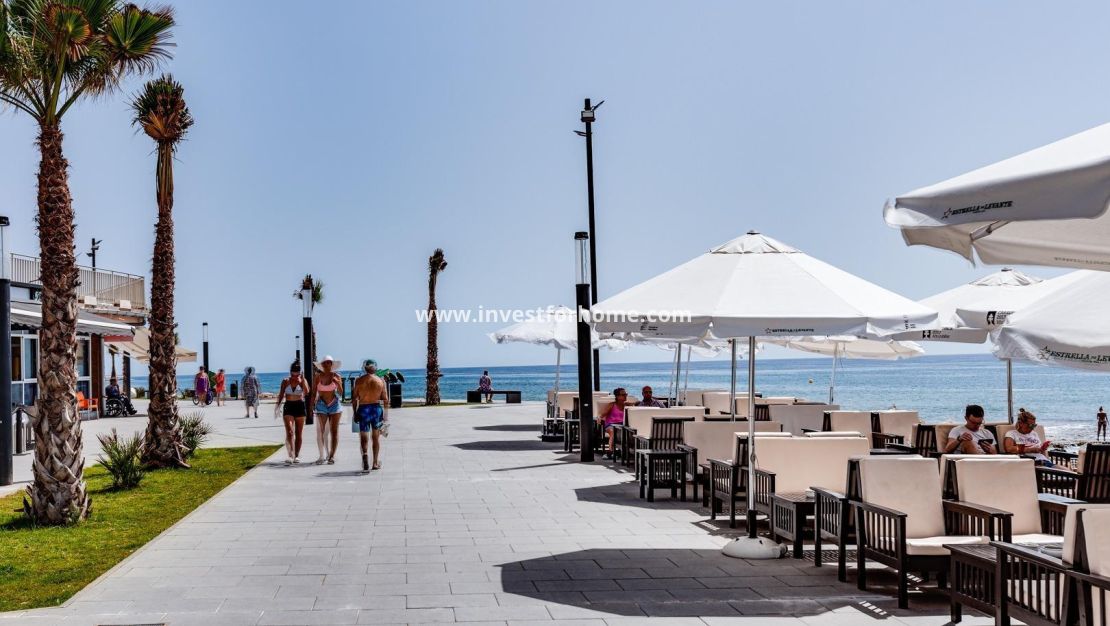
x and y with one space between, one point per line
971 437
649 400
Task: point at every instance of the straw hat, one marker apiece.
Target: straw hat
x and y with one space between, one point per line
335 363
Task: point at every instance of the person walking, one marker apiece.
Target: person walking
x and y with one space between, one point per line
294 390
371 404
328 391
221 387
252 387
1100 434
200 386
485 385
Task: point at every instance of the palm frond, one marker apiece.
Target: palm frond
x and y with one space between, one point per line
139 38
161 112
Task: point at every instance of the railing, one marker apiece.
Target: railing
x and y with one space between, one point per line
108 287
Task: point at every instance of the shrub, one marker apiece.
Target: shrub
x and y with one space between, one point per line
194 432
140 392
121 457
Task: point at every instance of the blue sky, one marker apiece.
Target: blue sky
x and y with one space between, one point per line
350 139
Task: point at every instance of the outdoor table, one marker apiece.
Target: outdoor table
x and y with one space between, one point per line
657 469
788 517
972 578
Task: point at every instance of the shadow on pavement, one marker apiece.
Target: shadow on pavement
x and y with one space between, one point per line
341 474
506 446
704 583
510 428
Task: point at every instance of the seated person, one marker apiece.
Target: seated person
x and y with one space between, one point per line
650 400
112 391
614 417
1025 440
971 437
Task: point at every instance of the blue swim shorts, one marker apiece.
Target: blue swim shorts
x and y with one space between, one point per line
367 417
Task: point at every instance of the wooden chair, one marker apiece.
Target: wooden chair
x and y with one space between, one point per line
728 478
1042 589
1091 483
798 417
712 440
88 405
637 420
667 435
903 523
1010 484
862 422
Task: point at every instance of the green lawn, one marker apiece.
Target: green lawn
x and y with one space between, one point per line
45 566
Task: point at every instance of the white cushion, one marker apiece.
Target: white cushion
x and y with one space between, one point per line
826 461
833 433
692 397
714 440
899 423
796 417
717 401
1037 539
934 546
639 417
908 484
1069 525
944 458
851 421
1096 531
1002 483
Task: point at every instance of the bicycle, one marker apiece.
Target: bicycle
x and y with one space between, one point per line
207 399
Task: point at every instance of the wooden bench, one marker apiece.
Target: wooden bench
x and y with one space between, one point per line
474 396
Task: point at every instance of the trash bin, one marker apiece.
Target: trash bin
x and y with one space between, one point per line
395 395
234 391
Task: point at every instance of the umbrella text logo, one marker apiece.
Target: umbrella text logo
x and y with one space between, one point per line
978 208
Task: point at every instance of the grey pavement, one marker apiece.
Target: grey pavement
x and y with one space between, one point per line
472 519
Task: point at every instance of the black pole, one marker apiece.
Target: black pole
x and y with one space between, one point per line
306 366
7 472
585 378
205 357
593 237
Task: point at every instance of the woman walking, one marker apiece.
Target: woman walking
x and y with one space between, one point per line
221 387
328 391
251 388
294 389
200 386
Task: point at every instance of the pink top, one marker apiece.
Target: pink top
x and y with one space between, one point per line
614 416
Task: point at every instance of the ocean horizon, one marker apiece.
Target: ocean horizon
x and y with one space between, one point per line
938 387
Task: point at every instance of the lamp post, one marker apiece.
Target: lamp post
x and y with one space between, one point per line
7 449
92 250
306 331
585 377
297 348
588 117
204 328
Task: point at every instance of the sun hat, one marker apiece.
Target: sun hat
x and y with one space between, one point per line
334 362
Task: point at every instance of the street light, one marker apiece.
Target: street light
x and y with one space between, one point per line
306 331
585 377
204 326
7 449
589 115
297 348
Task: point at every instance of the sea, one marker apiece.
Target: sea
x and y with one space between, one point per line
938 387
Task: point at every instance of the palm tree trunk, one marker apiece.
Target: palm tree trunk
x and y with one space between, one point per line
162 446
431 389
58 494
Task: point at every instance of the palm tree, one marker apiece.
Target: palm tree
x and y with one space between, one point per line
436 264
161 112
54 53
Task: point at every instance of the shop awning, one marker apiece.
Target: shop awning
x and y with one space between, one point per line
29 315
138 346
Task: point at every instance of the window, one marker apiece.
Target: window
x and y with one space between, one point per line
17 360
82 358
31 358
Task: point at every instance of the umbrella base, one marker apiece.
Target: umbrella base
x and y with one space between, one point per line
754 548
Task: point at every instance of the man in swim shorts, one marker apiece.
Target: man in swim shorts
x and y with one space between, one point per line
371 403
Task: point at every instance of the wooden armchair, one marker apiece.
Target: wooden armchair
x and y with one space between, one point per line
1091 481
728 478
862 422
903 522
1010 484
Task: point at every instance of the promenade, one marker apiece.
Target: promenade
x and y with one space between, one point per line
472 519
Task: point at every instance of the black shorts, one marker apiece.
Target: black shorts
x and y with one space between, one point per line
294 408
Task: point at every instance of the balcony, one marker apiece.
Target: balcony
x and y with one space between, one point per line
98 289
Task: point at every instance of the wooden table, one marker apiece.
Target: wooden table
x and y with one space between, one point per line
659 469
789 512
971 576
